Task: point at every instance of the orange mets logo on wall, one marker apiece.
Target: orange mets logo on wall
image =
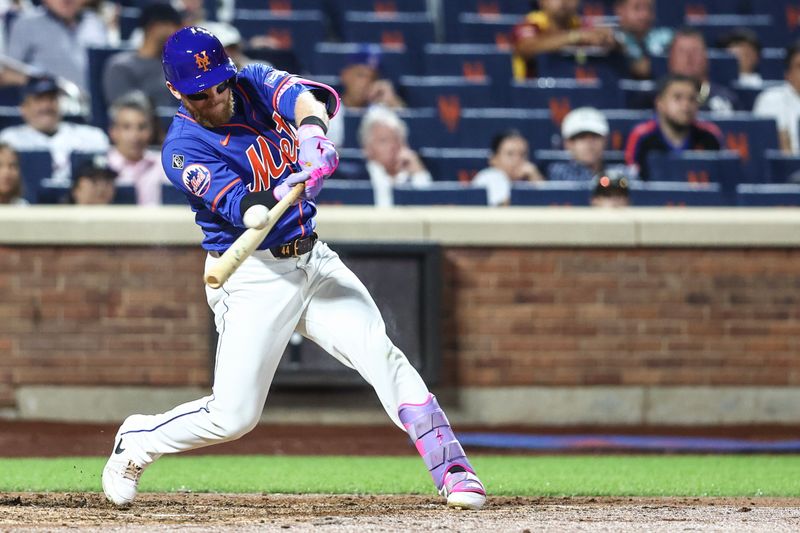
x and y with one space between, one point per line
202 60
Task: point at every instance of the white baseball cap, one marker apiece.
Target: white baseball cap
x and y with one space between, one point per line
584 120
227 34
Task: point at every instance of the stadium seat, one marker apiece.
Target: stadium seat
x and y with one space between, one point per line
412 30
10 96
455 164
331 58
124 195
771 65
751 138
76 159
424 128
282 6
97 64
486 10
698 167
477 127
544 158
723 67
606 68
782 168
480 29
440 193
551 193
637 94
747 95
346 192
128 21
290 31
768 195
473 61
35 166
352 165
716 26
560 95
172 196
620 124
384 7
452 91
659 193
10 116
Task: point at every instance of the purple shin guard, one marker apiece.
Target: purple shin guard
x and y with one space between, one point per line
430 432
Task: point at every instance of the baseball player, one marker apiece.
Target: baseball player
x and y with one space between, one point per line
237 145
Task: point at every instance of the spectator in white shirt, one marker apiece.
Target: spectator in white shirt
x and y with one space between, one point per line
782 103
384 139
508 163
44 129
130 132
10 178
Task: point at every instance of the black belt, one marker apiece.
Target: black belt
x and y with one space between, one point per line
295 248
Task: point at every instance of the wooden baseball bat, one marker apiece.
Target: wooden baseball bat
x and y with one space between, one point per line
248 242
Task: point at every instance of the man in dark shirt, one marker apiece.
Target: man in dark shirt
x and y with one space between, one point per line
675 127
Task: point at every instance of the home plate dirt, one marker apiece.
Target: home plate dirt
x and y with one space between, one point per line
281 512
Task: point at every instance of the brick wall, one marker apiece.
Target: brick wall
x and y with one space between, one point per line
137 316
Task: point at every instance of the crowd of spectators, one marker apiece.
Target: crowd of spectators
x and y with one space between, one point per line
45 44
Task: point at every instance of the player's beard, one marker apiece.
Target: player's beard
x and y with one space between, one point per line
214 117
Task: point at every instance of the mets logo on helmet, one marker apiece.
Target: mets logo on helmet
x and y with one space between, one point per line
202 60
197 179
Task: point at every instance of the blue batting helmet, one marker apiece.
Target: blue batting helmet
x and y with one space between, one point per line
195 60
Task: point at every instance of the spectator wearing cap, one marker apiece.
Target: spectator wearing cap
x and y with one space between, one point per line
231 40
10 177
782 102
55 37
585 132
675 128
744 44
555 27
390 161
509 162
141 70
638 39
688 56
93 184
130 131
44 129
362 87
611 190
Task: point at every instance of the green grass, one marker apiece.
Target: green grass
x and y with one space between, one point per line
709 475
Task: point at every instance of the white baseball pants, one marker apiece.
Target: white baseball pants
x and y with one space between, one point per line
256 312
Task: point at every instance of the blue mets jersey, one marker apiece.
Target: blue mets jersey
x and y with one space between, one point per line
217 167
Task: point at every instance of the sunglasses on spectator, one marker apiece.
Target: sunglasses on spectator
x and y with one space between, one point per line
197 97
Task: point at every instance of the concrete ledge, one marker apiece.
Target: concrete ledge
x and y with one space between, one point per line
531 406
455 226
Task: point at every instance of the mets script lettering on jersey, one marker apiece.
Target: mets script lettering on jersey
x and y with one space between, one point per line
269 160
202 60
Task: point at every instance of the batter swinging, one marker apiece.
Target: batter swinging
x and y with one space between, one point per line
237 145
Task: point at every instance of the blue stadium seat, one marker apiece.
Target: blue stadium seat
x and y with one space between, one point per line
606 68
659 193
455 164
698 167
10 116
10 96
412 30
620 124
346 192
722 66
715 26
486 10
282 6
331 58
637 94
291 31
560 95
771 65
747 95
76 159
128 21
480 29
436 91
751 138
551 193
768 195
35 166
386 7
545 158
124 195
782 168
352 165
97 63
474 61
477 127
172 196
440 193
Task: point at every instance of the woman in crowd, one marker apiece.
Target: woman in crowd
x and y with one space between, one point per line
10 177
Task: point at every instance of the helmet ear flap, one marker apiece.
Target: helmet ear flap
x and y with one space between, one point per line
194 60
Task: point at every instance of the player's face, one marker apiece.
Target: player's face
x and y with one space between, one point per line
383 146
215 110
793 72
689 57
587 148
9 173
93 191
511 155
678 104
131 133
41 112
636 16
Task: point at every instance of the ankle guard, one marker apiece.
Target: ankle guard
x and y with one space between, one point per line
429 430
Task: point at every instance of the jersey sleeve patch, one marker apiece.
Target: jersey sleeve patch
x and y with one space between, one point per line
197 179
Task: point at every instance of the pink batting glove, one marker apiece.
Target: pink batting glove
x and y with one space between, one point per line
286 185
317 156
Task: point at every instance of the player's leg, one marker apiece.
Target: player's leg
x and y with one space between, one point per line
255 314
342 318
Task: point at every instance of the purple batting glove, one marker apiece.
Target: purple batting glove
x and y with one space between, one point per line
318 156
283 188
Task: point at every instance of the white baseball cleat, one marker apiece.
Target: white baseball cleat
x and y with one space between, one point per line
463 490
121 476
